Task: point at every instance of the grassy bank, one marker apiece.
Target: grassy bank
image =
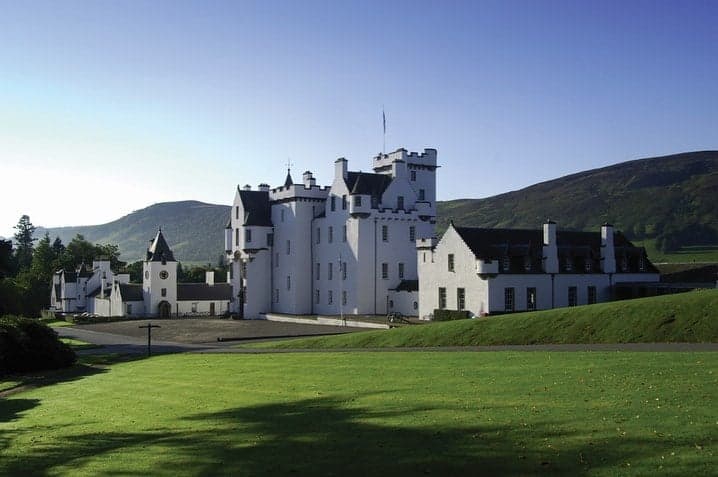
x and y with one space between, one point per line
686 317
371 414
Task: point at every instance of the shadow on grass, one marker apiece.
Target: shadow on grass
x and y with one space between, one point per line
326 436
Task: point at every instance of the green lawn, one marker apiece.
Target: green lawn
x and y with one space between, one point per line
684 317
79 344
372 414
688 254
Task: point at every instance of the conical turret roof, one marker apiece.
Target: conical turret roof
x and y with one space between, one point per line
159 250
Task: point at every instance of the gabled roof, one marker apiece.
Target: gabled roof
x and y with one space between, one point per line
366 183
489 244
257 211
159 250
131 292
202 291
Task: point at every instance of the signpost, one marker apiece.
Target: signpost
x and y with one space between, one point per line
149 327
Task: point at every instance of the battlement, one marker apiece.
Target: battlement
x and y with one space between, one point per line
298 191
383 162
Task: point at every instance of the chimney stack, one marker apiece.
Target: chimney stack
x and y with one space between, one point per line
209 277
550 250
340 168
608 252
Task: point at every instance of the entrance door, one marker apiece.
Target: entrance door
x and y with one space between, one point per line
165 309
211 309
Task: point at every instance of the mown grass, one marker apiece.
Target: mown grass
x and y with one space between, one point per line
686 318
372 414
686 254
79 344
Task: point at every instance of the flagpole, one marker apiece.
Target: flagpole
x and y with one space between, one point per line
383 119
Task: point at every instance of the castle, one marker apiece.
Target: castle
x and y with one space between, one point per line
346 248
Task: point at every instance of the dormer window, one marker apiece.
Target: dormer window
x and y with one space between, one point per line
568 264
624 264
357 201
400 202
588 266
527 263
642 264
505 264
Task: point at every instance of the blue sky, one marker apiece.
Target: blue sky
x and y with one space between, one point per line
107 107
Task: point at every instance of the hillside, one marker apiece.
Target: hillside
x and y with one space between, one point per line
682 318
671 198
193 228
665 203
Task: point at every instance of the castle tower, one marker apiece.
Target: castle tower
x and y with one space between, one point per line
159 279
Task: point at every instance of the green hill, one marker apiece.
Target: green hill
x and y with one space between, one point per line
682 318
665 203
194 230
668 201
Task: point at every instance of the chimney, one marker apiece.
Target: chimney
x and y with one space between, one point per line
247 187
263 187
209 277
608 252
340 168
550 250
308 179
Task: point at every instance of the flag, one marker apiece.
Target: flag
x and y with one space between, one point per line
383 117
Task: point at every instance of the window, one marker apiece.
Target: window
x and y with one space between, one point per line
401 271
129 308
281 213
412 233
423 257
451 262
344 202
344 270
231 271
460 298
384 233
357 201
344 233
391 303
333 202
572 296
527 263
270 240
384 271
624 264
412 174
163 292
319 235
344 297
587 266
400 202
422 194
194 307
236 212
416 305
319 269
330 297
316 296
330 271
247 235
236 237
289 247
591 292
289 282
642 264
276 259
508 299
276 295
531 299
442 298
331 234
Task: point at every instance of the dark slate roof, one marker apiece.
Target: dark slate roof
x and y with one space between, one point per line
256 207
159 250
131 292
408 285
69 276
202 291
288 181
366 183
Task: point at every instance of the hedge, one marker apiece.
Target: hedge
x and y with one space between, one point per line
29 345
449 315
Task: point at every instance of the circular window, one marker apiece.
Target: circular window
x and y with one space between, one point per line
164 274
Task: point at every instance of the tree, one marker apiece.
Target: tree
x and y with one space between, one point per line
110 252
7 264
80 250
24 241
43 261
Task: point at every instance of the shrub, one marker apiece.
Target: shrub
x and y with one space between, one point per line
29 345
449 315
